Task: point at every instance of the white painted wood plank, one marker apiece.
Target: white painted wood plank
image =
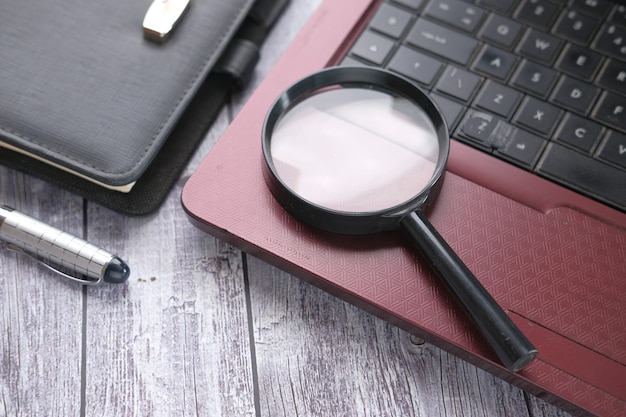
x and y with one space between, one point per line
178 331
40 313
174 339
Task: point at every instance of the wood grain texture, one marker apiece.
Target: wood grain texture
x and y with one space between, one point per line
40 313
174 340
201 330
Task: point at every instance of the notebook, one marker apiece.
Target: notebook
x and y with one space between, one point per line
540 218
89 97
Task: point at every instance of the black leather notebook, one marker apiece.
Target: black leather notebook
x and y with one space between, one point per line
91 102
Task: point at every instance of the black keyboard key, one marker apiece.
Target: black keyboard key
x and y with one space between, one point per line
451 109
613 76
498 99
613 150
539 13
575 95
504 6
476 130
579 132
586 153
597 8
612 41
538 116
577 27
501 30
350 61
581 172
490 133
611 109
456 13
619 15
441 41
579 61
534 78
458 83
484 131
390 20
539 46
523 148
372 47
415 65
411 4
495 62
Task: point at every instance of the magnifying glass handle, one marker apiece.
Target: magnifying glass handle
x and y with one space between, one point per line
512 347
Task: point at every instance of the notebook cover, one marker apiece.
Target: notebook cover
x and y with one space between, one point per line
558 271
81 87
155 183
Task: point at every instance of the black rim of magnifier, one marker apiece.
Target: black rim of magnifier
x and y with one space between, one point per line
352 77
512 347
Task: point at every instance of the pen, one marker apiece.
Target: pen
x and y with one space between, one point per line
66 254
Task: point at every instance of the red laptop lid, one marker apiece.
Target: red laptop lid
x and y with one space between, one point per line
554 260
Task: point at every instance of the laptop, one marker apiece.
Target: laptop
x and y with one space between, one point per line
540 219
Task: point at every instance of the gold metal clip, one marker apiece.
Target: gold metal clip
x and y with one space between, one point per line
161 18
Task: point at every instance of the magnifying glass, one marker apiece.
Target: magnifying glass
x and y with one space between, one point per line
362 150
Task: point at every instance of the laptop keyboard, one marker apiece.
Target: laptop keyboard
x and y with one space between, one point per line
538 83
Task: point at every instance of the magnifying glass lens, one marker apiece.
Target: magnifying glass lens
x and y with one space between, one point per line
360 150
355 149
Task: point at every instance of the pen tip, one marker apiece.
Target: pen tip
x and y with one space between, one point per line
117 271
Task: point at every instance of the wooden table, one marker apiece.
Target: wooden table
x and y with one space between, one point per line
203 329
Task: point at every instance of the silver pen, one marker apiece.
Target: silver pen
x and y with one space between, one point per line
65 254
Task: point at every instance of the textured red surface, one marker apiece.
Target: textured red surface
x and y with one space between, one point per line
560 273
